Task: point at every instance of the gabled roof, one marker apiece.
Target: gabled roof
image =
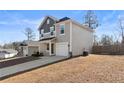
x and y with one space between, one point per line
55 19
77 23
83 26
63 19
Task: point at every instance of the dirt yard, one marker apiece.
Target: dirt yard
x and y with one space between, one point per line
93 68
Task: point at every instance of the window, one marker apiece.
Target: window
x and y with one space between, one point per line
42 30
52 29
62 29
47 46
48 21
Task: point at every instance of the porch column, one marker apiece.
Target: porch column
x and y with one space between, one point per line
39 48
50 48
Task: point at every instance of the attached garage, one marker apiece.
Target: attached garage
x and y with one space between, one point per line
32 50
62 49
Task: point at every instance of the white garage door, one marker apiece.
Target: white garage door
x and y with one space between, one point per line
62 49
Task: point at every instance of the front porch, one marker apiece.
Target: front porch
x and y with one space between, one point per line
47 47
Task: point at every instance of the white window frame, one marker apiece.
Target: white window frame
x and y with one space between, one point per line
48 21
51 27
53 31
46 32
60 29
42 32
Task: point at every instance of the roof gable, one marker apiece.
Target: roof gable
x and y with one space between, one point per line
44 20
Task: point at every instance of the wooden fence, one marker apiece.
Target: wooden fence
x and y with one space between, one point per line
108 49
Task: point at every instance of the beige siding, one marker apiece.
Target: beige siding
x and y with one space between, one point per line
81 38
66 36
33 43
25 50
32 50
43 49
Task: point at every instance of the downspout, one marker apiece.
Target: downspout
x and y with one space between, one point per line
70 48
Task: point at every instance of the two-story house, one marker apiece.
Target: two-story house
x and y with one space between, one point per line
62 37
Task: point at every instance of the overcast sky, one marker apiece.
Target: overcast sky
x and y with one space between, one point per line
13 23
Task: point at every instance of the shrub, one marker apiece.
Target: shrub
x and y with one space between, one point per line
37 54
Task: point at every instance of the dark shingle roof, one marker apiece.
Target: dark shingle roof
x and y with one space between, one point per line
46 39
63 19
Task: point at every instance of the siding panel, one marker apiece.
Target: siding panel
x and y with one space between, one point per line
81 39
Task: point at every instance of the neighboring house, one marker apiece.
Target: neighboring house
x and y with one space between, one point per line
63 37
7 53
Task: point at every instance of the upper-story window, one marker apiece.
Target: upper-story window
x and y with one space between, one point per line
62 29
48 21
52 29
41 32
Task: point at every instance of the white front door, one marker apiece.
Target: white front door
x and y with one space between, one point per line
62 49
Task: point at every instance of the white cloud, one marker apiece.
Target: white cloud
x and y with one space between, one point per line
22 22
16 19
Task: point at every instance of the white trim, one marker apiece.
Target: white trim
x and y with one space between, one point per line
27 47
41 32
52 31
64 29
51 27
70 37
55 29
46 33
48 21
39 48
50 48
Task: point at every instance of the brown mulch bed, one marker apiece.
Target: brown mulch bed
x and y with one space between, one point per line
93 68
12 62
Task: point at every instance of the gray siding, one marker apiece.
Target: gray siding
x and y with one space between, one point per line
46 27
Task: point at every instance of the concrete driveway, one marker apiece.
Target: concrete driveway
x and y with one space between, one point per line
12 70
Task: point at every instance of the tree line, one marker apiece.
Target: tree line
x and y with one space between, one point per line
90 20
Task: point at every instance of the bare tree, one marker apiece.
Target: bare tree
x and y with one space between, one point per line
120 28
96 40
29 33
106 40
8 46
116 38
90 19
